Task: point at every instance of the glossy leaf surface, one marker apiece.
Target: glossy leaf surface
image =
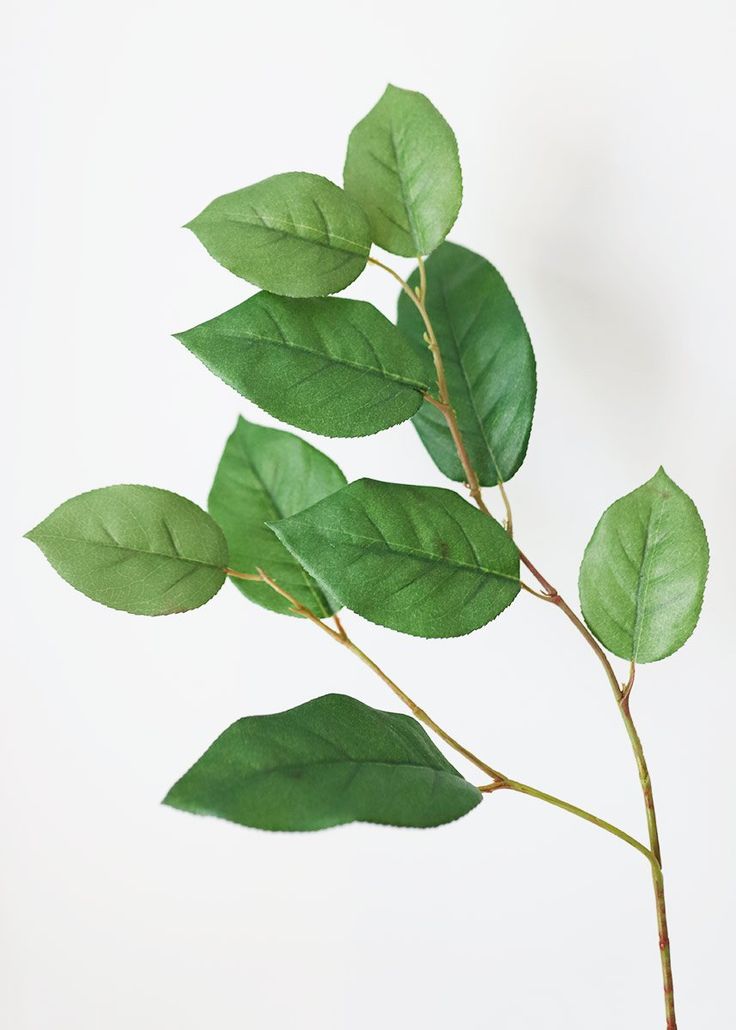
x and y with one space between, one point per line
328 365
417 559
643 574
266 474
489 363
402 167
135 548
330 761
297 234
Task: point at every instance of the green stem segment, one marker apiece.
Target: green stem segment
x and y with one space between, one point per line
340 635
621 693
532 792
657 876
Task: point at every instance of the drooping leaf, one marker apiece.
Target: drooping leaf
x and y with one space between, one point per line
488 359
297 234
402 167
330 761
266 474
135 548
643 574
328 365
417 559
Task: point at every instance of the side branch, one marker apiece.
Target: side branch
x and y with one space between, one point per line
532 792
340 635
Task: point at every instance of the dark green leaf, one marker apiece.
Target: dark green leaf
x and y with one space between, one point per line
136 548
298 234
328 365
402 167
417 559
488 359
643 573
328 762
266 474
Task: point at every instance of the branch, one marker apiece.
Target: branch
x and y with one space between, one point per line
499 780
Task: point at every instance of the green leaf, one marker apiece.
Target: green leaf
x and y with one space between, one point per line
135 548
402 167
643 573
331 366
298 234
489 362
266 474
330 761
417 559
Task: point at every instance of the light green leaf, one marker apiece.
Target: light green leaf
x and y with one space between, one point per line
403 168
330 761
488 359
297 234
266 474
136 548
417 559
331 366
643 573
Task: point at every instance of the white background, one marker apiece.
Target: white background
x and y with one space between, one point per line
599 161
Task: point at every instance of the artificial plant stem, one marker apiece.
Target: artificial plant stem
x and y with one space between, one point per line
554 597
341 636
420 714
532 792
499 780
621 693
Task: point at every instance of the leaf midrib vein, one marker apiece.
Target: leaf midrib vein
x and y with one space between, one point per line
360 762
413 229
280 226
131 550
427 556
271 498
644 575
289 344
464 374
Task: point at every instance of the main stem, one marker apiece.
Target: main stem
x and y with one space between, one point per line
622 697
621 694
657 875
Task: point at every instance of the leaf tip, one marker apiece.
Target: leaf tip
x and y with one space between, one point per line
33 534
169 799
393 90
662 479
275 526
